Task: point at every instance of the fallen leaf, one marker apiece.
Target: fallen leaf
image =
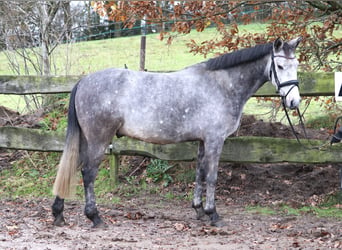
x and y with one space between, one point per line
179 226
134 216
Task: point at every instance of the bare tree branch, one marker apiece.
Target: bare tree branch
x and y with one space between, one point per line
326 6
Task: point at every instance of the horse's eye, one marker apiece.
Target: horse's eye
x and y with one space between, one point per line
280 67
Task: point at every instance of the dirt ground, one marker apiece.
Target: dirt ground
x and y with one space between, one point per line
149 223
152 221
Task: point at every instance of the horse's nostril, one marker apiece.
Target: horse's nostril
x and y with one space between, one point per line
293 104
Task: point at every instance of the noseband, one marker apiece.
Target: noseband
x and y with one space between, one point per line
293 83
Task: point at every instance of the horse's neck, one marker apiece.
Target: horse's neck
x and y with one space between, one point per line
248 78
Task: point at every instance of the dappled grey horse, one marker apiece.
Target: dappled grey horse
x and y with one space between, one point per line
202 103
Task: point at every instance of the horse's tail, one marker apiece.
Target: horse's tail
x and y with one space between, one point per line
65 183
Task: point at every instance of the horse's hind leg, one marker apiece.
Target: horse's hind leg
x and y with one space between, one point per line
200 178
57 211
91 156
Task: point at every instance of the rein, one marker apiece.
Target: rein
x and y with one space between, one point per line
301 122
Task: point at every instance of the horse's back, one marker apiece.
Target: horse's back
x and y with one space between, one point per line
155 107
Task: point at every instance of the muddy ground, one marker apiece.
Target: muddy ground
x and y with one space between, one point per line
151 221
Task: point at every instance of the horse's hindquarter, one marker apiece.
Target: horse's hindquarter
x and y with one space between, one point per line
159 108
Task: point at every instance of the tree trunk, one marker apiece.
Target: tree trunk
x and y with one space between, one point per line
67 20
44 38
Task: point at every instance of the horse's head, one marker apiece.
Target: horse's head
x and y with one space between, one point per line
283 71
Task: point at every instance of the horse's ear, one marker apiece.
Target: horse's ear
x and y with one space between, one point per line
278 44
294 42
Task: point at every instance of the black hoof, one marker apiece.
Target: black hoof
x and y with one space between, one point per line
218 223
100 225
59 221
215 219
98 222
199 211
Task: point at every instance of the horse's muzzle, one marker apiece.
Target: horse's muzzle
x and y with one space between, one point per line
294 104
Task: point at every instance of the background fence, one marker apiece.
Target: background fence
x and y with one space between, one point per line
259 149
236 149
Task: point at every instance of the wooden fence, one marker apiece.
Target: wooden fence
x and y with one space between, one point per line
236 149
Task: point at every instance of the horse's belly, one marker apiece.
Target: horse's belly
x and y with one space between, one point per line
158 135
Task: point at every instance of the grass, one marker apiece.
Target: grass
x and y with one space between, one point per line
316 115
261 210
91 56
26 174
330 207
324 210
32 176
320 211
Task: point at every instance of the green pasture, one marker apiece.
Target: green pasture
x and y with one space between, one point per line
86 57
90 56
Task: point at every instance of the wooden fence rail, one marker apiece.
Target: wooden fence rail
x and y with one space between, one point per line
236 149
246 149
311 84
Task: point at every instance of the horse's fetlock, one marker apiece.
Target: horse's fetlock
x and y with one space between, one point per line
58 207
210 210
90 211
197 205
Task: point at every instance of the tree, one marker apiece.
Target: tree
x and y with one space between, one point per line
315 21
31 24
30 31
47 13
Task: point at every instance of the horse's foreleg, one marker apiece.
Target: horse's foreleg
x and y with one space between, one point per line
212 153
57 211
200 178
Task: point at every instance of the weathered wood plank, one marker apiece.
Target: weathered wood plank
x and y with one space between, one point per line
31 139
311 84
21 85
237 149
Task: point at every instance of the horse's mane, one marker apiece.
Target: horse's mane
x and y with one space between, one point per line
239 57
